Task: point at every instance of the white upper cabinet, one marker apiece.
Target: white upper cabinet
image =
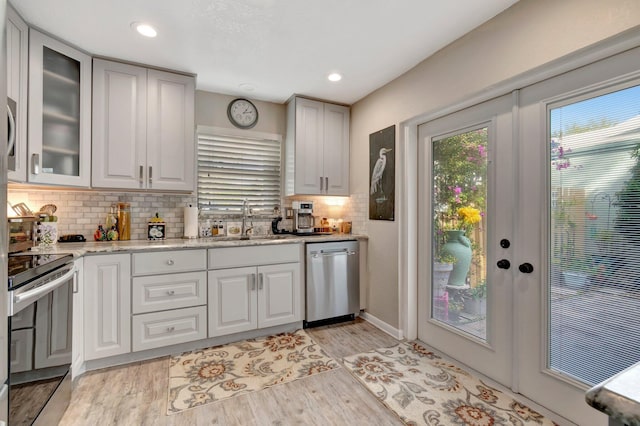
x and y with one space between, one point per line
59 138
317 148
17 73
143 128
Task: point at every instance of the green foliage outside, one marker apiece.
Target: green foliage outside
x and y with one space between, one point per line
628 203
459 173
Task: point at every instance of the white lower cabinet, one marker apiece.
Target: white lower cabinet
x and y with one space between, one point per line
107 305
250 297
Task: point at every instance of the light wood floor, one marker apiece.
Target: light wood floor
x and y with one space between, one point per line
136 394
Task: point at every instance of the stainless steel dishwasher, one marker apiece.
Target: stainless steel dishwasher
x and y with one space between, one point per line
333 280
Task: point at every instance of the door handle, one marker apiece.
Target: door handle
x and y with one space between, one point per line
321 186
35 164
326 184
141 175
150 176
253 282
526 268
260 281
504 264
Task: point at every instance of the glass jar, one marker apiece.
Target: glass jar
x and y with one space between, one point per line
124 221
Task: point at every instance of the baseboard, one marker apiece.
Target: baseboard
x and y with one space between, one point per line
391 331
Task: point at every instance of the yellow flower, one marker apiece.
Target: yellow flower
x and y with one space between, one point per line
469 215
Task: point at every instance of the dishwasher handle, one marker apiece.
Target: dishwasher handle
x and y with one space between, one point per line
332 253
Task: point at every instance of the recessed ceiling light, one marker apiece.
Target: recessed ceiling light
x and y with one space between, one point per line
334 77
144 29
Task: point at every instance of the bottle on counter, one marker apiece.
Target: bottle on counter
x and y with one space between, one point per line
124 221
221 229
214 228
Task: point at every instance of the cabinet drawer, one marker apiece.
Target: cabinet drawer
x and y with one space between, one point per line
166 328
163 262
232 257
164 292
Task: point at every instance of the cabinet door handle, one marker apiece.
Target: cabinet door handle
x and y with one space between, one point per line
75 282
141 175
260 281
171 292
35 164
150 175
171 329
170 262
253 282
326 184
321 183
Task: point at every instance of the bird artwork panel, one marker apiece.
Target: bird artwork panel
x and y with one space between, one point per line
382 169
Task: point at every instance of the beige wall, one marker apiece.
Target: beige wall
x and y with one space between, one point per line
211 110
529 34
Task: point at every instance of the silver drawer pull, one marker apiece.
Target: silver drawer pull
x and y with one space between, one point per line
170 262
171 292
171 329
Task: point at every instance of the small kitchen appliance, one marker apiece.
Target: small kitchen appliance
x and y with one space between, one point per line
303 220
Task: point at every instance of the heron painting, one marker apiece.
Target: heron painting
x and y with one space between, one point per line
382 174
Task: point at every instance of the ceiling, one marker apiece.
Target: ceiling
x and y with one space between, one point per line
268 49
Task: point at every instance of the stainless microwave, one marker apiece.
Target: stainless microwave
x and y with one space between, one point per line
11 134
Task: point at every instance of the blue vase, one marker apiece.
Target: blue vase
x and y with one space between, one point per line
459 246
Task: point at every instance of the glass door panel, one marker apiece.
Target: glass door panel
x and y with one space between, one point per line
594 256
459 164
60 114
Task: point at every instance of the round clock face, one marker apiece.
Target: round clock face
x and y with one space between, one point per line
242 113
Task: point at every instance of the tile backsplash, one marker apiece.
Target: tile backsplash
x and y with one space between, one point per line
81 211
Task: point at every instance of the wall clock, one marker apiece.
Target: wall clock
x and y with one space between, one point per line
242 113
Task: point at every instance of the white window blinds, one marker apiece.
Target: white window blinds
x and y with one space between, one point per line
233 169
594 259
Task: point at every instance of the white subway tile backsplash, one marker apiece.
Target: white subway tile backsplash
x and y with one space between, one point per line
80 212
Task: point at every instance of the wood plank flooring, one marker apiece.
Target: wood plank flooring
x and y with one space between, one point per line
136 394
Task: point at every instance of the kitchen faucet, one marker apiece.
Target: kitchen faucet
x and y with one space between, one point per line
246 213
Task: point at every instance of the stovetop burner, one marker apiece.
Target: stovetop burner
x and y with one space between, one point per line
23 267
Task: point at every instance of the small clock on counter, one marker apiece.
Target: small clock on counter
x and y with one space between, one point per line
242 113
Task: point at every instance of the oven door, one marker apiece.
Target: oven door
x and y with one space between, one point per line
40 325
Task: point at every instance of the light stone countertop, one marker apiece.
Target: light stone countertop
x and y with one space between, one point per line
619 397
102 247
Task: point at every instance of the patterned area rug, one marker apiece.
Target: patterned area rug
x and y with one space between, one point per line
423 389
204 376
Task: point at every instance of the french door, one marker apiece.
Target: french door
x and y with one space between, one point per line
466 199
561 206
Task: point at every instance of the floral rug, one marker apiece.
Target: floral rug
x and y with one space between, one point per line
208 375
423 389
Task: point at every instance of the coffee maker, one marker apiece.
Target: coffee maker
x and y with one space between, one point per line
303 220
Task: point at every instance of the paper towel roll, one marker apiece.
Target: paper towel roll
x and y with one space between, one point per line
190 222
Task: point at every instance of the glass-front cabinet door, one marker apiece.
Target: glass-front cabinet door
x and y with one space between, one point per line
59 113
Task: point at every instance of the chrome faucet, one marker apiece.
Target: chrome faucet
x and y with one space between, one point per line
246 214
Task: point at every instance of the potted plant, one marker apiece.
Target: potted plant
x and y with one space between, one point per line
442 267
475 299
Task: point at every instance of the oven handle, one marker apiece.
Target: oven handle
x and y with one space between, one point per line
36 293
